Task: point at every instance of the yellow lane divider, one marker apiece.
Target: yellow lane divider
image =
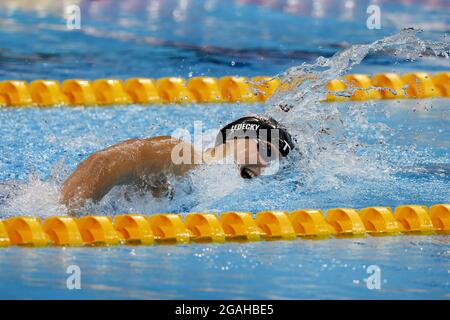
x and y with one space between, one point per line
135 229
73 92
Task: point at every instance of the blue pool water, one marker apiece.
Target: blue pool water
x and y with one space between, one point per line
384 153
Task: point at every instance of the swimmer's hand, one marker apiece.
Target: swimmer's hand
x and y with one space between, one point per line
126 163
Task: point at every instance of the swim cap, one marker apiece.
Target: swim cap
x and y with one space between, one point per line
253 126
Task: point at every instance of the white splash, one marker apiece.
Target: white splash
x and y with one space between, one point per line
34 198
329 137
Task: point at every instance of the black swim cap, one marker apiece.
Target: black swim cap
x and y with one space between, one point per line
253 126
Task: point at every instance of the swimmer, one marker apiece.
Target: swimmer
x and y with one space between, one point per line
252 141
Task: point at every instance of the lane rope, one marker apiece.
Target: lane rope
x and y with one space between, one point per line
229 89
135 229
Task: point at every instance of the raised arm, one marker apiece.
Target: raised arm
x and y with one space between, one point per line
123 163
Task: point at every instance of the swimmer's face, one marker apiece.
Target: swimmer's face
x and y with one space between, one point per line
253 156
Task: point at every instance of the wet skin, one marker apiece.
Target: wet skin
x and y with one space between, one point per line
147 163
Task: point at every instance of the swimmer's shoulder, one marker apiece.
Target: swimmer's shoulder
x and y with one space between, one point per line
164 139
166 142
147 148
157 143
171 152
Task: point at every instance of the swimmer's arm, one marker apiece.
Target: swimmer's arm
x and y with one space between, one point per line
124 163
